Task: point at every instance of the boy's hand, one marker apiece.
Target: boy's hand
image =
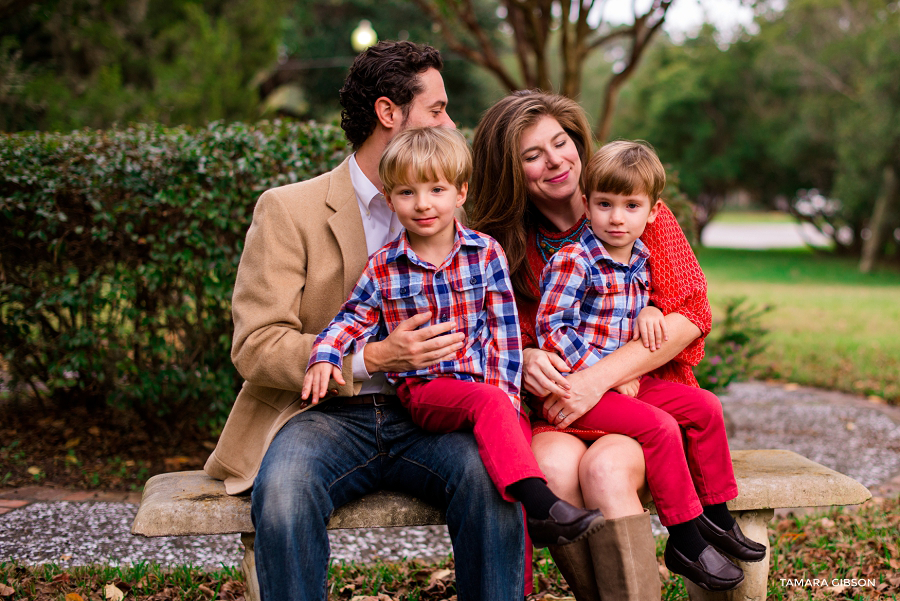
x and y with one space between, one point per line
651 328
315 384
629 388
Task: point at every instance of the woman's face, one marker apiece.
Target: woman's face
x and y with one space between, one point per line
551 163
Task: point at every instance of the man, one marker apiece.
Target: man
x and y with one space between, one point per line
305 249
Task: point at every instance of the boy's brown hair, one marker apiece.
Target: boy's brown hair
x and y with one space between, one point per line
425 154
625 167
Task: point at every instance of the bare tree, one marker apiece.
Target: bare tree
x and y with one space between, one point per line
540 30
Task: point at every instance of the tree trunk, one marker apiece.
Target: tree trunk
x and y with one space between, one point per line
874 245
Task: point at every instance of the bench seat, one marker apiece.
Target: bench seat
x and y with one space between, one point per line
191 503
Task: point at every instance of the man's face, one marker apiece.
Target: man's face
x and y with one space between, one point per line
429 107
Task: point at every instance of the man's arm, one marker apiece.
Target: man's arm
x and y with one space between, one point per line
269 347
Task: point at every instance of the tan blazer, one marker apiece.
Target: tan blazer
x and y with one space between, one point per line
304 252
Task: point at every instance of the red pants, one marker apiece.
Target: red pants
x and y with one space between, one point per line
680 484
448 404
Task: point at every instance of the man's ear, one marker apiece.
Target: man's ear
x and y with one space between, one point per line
462 194
387 113
654 211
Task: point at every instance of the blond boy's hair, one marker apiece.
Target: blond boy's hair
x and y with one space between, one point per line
425 154
625 167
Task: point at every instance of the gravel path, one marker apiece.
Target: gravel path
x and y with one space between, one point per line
846 433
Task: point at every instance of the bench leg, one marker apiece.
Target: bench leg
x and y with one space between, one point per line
756 575
248 565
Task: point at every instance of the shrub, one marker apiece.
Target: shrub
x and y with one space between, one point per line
732 345
118 253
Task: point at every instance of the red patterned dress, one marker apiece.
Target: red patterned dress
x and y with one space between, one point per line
679 286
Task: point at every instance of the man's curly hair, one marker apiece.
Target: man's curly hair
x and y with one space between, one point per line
389 69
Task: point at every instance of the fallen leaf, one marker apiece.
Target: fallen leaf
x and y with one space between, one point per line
34 470
71 459
72 443
65 557
205 590
113 593
74 597
826 523
6 591
851 426
877 399
94 431
439 575
791 386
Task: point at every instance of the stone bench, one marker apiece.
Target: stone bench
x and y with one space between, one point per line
191 503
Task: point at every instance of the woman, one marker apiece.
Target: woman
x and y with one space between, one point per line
528 152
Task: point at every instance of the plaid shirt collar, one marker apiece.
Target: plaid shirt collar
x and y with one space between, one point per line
461 237
597 252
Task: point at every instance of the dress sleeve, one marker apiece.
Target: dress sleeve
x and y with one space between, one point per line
679 285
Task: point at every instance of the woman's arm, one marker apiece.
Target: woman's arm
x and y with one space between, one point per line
625 363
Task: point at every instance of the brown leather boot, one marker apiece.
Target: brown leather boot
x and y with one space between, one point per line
624 553
575 564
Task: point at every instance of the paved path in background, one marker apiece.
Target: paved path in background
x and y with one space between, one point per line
855 436
761 235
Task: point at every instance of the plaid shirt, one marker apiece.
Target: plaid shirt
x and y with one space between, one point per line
589 301
471 287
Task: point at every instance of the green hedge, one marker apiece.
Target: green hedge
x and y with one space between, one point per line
118 252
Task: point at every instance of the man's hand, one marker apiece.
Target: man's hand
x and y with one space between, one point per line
629 388
542 373
315 384
408 348
651 328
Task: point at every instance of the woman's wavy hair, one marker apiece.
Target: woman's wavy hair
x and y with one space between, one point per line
498 202
389 69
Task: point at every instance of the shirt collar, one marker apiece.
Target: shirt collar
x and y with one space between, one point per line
598 252
463 236
365 190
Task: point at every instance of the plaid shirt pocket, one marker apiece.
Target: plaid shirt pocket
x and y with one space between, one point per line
404 297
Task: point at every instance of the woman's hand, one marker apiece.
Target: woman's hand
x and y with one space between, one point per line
586 388
410 347
542 373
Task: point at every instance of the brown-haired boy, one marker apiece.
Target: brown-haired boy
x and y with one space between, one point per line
595 296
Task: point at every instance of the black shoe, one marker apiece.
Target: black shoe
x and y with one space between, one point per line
712 570
565 525
731 541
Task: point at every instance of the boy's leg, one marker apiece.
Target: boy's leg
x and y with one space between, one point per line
699 413
448 405
660 438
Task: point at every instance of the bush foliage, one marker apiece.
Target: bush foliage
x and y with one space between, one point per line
118 254
732 345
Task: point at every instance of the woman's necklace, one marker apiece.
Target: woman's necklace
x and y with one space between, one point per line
548 244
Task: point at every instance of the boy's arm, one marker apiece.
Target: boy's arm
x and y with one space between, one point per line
503 339
357 320
563 284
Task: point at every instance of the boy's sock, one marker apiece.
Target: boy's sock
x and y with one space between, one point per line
535 496
686 538
719 515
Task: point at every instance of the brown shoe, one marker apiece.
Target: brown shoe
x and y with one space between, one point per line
712 570
731 541
566 524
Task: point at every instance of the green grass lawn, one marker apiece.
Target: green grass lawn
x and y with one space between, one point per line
735 216
831 326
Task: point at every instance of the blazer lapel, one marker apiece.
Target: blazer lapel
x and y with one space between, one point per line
346 225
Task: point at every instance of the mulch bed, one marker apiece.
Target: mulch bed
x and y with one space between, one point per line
82 449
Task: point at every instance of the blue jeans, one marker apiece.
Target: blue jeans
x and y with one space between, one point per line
328 456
